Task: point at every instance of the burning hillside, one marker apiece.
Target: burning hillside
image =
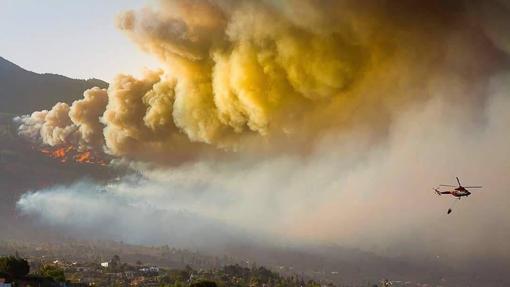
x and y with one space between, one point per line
69 153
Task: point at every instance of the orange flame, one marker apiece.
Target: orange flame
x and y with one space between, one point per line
69 153
84 157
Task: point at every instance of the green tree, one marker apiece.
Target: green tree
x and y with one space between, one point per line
115 263
15 267
53 272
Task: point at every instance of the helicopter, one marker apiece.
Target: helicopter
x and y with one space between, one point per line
458 191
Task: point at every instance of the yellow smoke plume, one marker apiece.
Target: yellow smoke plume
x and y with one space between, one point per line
260 75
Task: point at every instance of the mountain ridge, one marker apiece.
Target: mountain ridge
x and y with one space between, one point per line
23 91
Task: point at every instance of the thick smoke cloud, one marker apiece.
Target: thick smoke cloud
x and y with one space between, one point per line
333 120
262 76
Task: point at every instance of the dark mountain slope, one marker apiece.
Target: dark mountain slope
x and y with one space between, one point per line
22 91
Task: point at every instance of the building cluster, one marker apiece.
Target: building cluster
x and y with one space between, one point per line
109 273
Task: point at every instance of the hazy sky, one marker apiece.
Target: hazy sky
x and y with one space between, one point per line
73 38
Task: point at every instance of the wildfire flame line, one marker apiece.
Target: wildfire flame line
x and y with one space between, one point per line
70 154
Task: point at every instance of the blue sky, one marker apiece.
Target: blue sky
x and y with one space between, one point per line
73 38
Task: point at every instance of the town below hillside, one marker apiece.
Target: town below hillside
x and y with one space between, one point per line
17 271
110 263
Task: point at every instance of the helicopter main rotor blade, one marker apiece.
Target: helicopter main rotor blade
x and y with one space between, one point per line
472 186
447 185
458 181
